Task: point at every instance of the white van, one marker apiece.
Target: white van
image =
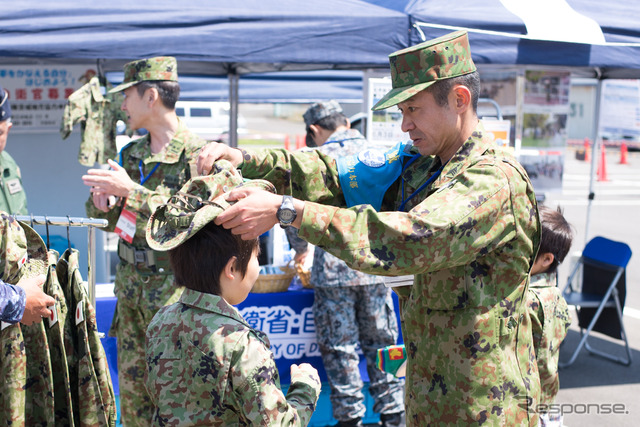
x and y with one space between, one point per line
210 120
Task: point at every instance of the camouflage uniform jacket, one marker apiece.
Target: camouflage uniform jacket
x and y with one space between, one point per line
207 366
550 320
12 302
470 238
176 166
330 271
98 115
13 199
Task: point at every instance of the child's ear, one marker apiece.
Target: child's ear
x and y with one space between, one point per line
547 259
230 269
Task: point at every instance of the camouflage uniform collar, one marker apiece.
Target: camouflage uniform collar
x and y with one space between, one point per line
473 147
171 153
343 135
543 280
94 86
211 303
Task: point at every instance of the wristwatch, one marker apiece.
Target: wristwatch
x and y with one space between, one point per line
286 212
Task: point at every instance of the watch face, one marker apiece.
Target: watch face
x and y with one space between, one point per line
286 215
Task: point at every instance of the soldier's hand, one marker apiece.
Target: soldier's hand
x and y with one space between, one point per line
300 257
111 182
37 301
253 214
213 152
101 201
303 373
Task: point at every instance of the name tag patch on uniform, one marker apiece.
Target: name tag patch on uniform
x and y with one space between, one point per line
53 318
126 225
14 186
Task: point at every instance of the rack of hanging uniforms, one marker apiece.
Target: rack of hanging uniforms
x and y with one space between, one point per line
55 371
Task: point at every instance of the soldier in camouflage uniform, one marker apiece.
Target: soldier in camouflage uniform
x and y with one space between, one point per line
13 199
451 208
149 171
206 364
550 318
349 307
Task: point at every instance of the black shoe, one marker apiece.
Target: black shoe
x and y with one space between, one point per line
357 422
393 420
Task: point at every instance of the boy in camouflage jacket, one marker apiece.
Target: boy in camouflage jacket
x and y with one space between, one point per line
206 364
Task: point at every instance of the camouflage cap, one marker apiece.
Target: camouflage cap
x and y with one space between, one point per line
158 68
320 110
22 251
197 203
416 68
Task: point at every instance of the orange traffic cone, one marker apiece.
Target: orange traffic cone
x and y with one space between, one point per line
602 166
587 150
286 142
299 141
623 154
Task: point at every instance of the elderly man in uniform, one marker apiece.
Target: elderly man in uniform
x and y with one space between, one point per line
14 199
349 307
149 171
451 208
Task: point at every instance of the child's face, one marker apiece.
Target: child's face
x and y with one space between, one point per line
241 286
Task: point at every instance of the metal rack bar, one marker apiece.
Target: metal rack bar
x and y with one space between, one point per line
74 222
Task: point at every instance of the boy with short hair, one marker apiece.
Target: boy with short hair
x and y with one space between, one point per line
206 365
547 307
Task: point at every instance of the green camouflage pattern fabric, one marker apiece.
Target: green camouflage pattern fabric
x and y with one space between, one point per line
417 67
207 366
97 115
13 368
550 321
39 381
141 290
63 404
199 202
158 68
470 239
14 198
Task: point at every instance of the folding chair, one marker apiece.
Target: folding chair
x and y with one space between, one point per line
600 300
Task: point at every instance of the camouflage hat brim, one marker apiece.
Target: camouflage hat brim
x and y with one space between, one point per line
37 263
122 87
400 94
167 230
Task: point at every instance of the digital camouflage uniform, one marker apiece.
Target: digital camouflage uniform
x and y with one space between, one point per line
13 199
550 321
98 115
142 290
207 366
470 238
351 308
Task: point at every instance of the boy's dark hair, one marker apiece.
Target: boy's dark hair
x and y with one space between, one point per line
331 122
168 90
199 261
557 235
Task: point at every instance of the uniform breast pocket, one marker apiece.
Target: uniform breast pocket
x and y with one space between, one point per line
206 377
443 290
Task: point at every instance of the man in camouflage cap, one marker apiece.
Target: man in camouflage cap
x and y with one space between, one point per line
201 346
456 211
12 198
149 170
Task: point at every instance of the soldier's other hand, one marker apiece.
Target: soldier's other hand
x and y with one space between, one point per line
300 257
213 152
101 201
36 300
253 214
115 181
303 373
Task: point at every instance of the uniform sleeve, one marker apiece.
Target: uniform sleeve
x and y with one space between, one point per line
12 302
471 215
256 384
307 175
74 111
